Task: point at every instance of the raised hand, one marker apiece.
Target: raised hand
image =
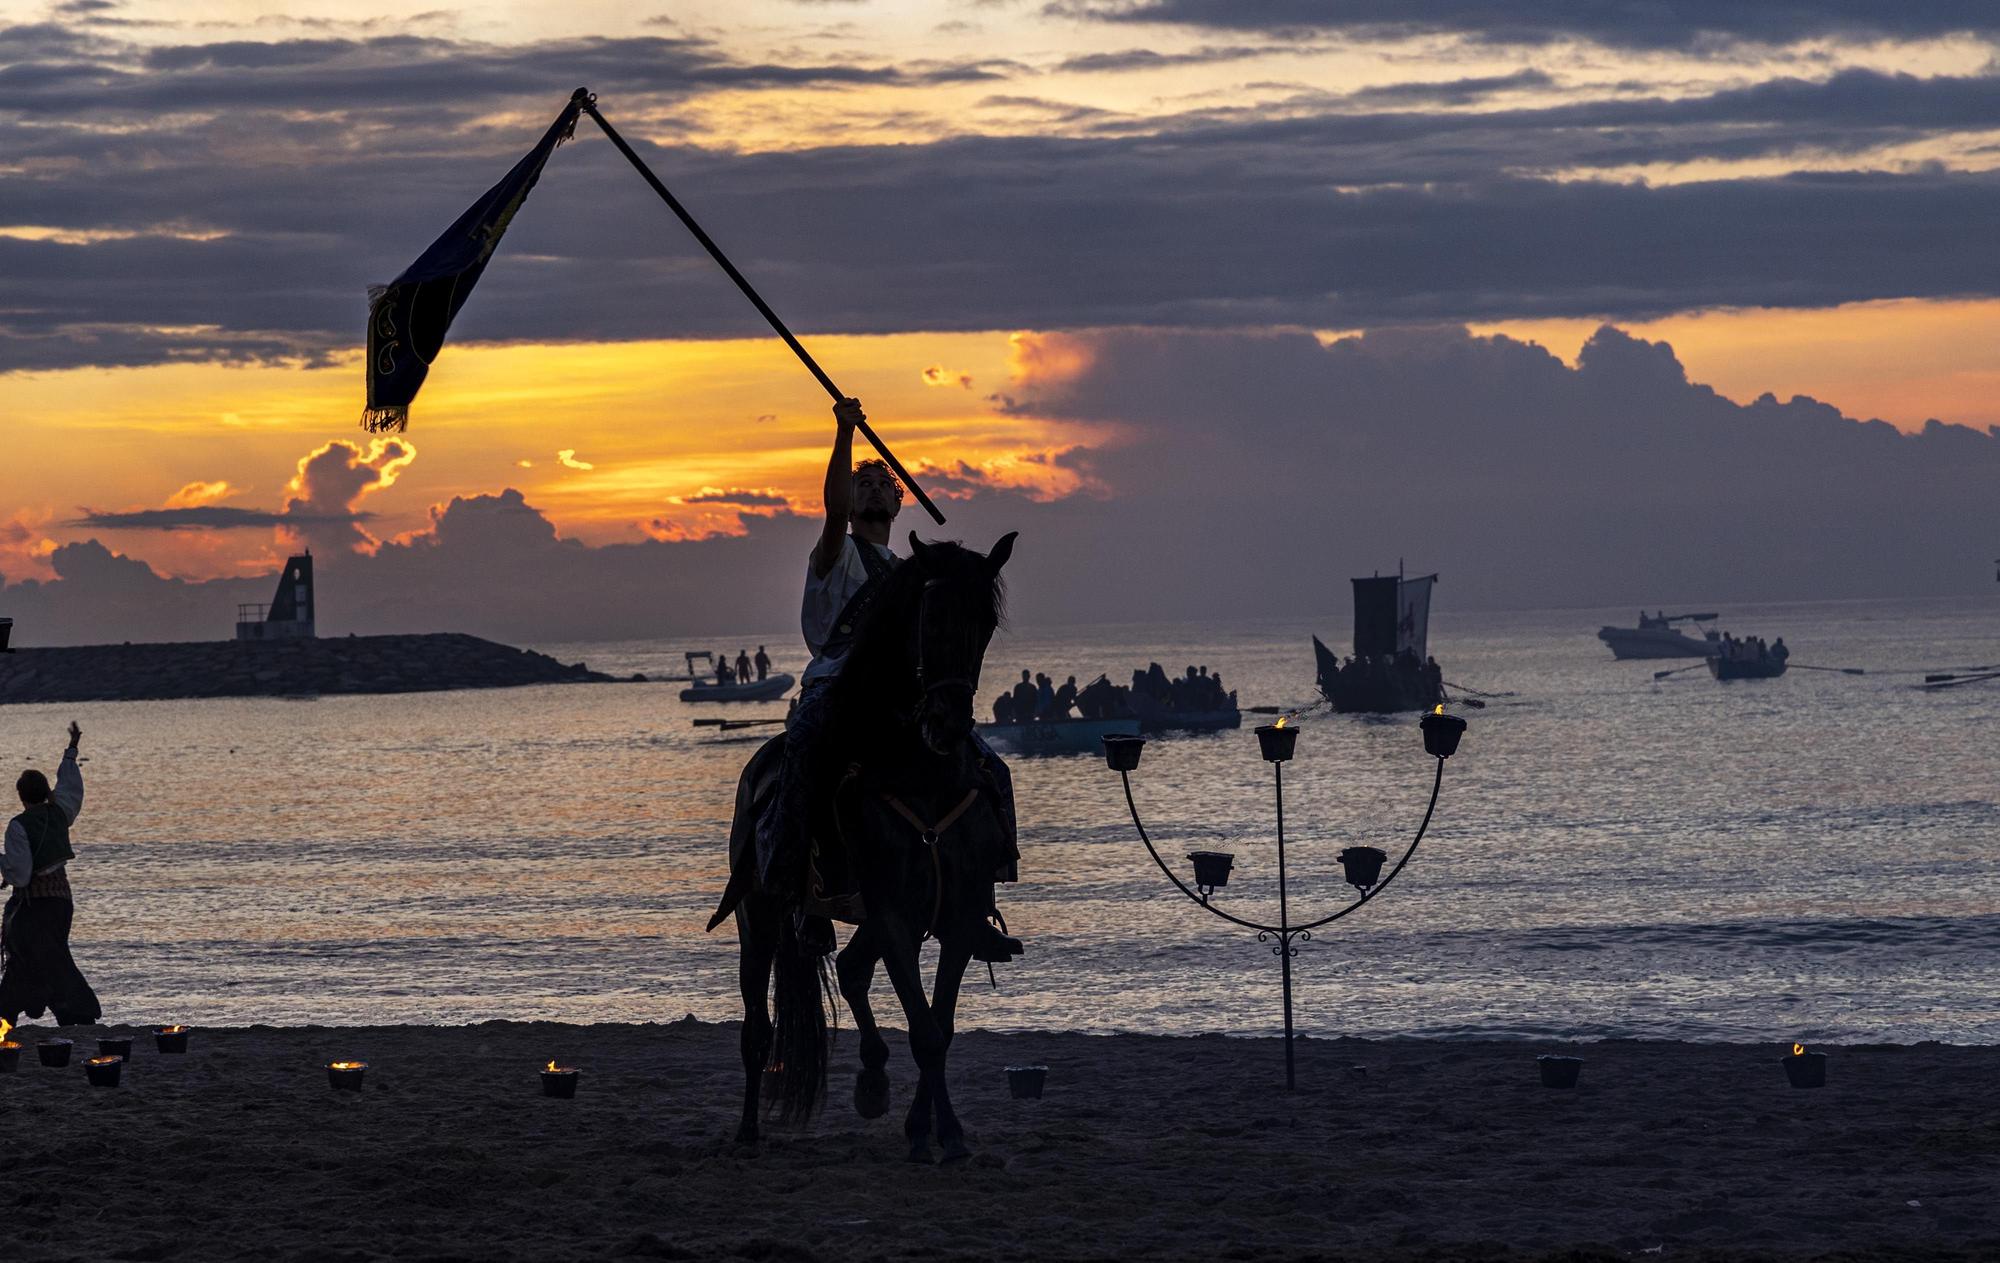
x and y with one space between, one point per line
75 734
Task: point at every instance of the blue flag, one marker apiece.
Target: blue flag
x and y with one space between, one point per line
408 317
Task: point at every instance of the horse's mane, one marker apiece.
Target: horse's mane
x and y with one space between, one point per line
878 668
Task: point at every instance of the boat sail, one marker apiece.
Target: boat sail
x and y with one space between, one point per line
1391 668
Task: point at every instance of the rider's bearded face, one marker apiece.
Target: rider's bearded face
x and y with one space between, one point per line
877 496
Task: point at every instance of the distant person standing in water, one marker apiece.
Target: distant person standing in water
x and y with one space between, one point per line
40 975
763 663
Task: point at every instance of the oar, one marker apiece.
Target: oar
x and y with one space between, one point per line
1661 675
1800 666
1955 681
733 723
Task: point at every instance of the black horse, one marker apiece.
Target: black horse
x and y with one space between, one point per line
915 816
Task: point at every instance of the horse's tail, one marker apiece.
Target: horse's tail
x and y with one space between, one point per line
799 1049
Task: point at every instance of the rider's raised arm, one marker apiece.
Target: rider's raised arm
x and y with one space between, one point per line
838 494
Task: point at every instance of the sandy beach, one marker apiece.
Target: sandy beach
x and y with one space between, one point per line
1143 1147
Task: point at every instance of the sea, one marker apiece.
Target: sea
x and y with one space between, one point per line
1813 858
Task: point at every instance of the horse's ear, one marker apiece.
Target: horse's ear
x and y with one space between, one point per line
917 546
1001 552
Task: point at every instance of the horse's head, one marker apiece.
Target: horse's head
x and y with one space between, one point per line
958 607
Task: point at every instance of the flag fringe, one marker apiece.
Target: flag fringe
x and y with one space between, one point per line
393 420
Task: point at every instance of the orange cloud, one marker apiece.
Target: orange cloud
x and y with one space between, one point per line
196 494
331 480
939 375
1045 359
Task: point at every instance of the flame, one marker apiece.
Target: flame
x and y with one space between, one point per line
1281 721
5 1026
102 1061
1438 709
552 1065
171 1030
1798 1050
348 1065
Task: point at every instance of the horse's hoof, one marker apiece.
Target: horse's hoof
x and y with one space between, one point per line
871 1093
920 1151
955 1151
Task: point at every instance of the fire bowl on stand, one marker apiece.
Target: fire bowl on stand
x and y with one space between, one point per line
171 1039
560 1081
1441 733
1211 869
10 1056
345 1076
104 1071
54 1052
1806 1069
1363 865
1122 751
1025 1082
1559 1072
1277 741
115 1046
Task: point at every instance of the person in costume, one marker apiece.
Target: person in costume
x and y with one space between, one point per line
38 974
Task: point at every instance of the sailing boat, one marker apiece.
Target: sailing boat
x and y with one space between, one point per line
1391 669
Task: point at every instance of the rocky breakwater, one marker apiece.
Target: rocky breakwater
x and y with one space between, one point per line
280 668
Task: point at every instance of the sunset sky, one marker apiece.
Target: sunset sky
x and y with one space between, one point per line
973 211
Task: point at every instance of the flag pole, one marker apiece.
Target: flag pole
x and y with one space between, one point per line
589 104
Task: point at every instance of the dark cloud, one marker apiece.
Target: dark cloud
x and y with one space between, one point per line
204 518
738 496
1682 25
1252 473
1451 91
1329 210
1151 59
1272 465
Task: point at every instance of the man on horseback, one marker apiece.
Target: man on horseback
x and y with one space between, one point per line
844 574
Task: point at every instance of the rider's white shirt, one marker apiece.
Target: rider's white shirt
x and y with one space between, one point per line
826 598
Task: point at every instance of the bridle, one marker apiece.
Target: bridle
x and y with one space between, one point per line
925 685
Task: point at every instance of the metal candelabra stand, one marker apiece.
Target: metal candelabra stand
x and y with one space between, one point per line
1362 864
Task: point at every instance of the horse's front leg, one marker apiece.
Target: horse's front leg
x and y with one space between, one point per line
927 1041
855 967
952 960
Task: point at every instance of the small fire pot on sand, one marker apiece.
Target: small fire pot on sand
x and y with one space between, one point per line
171 1039
1559 1072
54 1052
560 1081
1806 1069
104 1071
1025 1082
10 1056
345 1076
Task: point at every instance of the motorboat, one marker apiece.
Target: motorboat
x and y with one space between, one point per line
1657 637
768 689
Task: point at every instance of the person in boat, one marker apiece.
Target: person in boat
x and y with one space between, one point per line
1778 650
40 975
1065 698
1433 678
742 666
763 664
724 673
1045 697
1003 708
845 570
1025 699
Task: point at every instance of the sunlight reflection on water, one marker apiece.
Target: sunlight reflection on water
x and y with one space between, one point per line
1812 856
